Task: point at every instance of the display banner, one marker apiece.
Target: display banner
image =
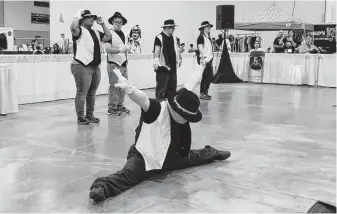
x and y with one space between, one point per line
6 39
325 38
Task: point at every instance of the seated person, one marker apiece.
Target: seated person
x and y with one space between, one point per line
257 47
308 47
163 139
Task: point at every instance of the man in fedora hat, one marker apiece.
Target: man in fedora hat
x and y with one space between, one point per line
117 57
167 57
205 56
85 66
163 139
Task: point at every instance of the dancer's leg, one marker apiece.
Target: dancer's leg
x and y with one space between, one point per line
133 173
91 97
196 157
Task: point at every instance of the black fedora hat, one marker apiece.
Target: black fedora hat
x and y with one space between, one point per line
169 23
86 14
205 24
186 104
117 15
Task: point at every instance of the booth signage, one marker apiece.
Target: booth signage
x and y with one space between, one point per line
325 37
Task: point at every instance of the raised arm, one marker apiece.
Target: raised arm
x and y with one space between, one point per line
136 95
74 27
107 33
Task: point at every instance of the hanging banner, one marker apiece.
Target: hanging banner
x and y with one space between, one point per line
6 39
325 38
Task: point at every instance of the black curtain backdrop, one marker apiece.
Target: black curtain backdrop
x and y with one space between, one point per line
225 73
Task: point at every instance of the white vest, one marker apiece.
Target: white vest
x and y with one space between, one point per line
85 46
176 48
117 42
155 138
208 49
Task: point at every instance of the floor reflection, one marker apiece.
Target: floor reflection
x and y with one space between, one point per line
48 162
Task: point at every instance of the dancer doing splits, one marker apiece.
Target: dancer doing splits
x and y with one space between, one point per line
163 139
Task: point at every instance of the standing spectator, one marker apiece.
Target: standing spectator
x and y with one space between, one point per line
182 48
192 49
205 58
56 49
219 43
289 42
85 66
278 43
117 49
167 57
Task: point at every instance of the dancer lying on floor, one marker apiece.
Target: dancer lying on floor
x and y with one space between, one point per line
163 139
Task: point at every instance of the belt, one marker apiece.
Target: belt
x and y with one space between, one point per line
123 65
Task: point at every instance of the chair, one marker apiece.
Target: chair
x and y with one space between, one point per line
256 66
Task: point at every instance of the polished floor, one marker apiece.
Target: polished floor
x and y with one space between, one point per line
282 139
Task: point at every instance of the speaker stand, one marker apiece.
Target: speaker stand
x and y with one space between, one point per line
225 73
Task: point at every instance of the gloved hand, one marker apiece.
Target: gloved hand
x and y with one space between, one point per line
123 82
79 13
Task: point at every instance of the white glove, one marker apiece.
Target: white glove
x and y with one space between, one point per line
79 13
123 82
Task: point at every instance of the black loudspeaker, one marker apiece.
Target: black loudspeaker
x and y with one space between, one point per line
224 17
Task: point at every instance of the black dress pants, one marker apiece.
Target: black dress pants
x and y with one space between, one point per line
207 77
166 83
134 172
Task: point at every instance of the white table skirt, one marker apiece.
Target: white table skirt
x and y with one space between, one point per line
327 71
48 77
8 90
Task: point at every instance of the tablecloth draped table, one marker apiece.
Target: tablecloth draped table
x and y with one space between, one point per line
8 90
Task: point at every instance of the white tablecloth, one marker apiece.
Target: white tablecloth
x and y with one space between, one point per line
8 90
327 71
48 77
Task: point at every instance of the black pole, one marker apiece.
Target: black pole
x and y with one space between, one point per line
294 7
325 11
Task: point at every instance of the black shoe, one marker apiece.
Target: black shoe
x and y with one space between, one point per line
114 111
204 96
207 95
223 155
83 121
220 155
92 119
97 194
123 109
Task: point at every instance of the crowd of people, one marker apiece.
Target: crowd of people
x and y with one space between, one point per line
286 42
